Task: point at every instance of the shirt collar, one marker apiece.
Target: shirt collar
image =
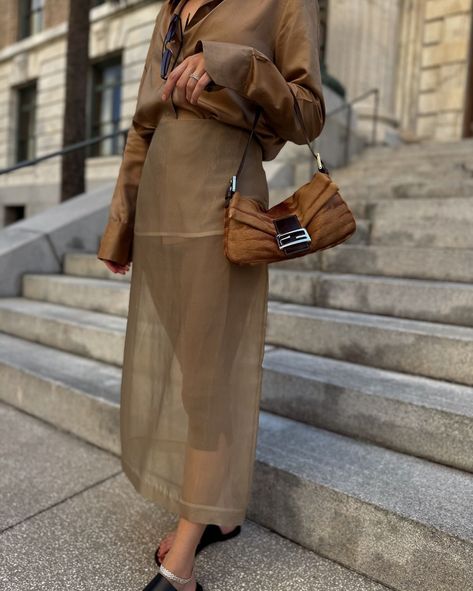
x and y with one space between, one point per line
176 5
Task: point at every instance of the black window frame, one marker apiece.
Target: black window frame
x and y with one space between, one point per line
95 125
25 128
30 17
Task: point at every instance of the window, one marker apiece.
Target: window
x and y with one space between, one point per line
105 106
13 213
30 18
26 122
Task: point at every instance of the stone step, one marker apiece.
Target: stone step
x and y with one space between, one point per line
362 234
86 264
461 167
93 294
420 416
435 301
415 415
444 264
91 334
447 150
75 393
358 190
366 507
89 293
449 264
460 164
440 351
446 157
440 223
419 299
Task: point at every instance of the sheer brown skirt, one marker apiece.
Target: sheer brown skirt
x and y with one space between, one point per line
196 325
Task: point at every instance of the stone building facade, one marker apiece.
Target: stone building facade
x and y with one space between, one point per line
418 53
36 63
435 99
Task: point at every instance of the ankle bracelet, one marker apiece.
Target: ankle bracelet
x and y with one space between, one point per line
171 576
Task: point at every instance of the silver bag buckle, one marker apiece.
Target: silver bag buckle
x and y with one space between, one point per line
291 237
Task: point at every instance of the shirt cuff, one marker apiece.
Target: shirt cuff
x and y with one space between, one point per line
227 64
116 243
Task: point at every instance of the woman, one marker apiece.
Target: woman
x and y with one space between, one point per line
195 333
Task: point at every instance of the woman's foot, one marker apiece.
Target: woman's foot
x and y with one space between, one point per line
166 543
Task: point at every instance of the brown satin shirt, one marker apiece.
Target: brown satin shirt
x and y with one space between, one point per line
254 50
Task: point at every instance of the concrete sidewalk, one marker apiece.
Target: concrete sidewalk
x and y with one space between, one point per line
70 519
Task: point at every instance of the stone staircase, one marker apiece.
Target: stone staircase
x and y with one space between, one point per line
365 448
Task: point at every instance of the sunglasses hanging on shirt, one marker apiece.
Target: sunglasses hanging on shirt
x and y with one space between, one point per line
170 55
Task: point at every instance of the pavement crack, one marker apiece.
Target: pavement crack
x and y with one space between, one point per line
60 502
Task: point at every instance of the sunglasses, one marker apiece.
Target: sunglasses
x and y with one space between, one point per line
169 56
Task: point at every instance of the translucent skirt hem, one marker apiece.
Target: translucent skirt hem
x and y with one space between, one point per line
195 513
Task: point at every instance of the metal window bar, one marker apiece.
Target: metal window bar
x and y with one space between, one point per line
67 149
348 107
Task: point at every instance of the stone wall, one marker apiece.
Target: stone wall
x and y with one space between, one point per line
8 22
415 51
55 12
443 72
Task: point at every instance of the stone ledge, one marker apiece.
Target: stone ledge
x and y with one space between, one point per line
38 243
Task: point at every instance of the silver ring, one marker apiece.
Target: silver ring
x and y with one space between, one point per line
194 75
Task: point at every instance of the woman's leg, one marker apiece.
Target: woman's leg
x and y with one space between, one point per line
196 488
180 557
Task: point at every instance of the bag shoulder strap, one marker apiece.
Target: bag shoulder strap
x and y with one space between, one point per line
301 122
250 137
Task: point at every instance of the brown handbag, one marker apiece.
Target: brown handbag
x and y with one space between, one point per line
313 218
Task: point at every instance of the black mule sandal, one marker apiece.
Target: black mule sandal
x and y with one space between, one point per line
212 533
162 581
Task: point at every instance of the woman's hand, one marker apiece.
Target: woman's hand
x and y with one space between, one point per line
187 88
116 267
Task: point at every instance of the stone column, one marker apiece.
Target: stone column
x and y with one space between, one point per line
468 117
408 87
362 52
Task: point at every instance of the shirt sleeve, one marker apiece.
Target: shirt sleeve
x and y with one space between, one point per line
116 243
296 67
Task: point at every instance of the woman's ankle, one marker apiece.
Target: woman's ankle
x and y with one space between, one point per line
180 563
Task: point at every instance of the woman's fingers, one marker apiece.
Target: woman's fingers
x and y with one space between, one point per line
180 78
173 77
191 83
182 83
199 87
